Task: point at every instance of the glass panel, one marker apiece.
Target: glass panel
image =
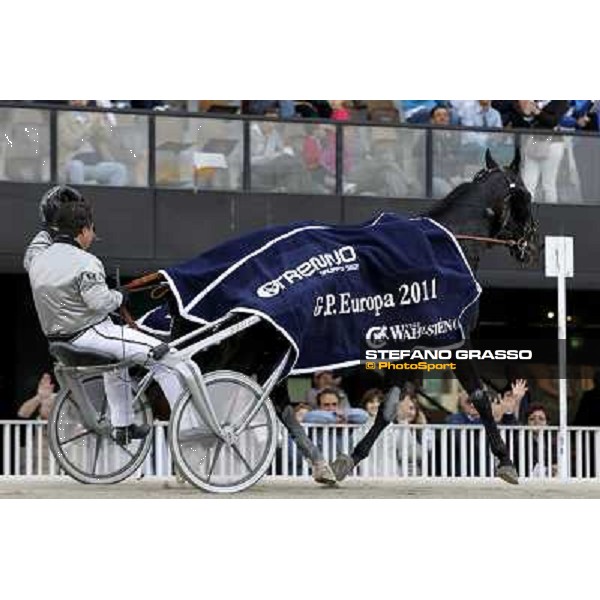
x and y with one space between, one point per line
561 169
24 144
292 157
102 148
199 153
384 161
458 155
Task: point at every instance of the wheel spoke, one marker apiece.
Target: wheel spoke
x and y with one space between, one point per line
122 446
75 437
215 459
97 453
241 457
258 426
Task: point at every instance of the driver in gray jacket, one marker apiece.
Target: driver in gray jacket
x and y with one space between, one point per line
73 303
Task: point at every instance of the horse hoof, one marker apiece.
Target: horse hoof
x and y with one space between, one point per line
509 474
342 466
322 473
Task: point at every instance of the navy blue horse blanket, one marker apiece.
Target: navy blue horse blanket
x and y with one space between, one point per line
334 291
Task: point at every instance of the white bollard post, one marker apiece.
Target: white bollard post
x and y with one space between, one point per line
559 264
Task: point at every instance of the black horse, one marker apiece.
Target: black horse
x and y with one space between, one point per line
495 206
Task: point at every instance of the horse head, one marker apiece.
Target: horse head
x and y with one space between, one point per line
508 209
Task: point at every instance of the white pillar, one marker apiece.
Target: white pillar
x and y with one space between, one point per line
559 264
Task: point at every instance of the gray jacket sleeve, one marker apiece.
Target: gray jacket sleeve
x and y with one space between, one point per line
42 241
94 291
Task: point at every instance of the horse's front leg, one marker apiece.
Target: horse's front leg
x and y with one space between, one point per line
343 464
321 471
467 376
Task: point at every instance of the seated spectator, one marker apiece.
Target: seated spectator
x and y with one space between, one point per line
479 113
274 164
284 109
322 380
86 151
449 166
467 413
370 402
329 411
415 111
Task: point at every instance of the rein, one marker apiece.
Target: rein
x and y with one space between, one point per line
488 240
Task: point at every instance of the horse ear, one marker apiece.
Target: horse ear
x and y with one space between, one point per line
516 161
490 163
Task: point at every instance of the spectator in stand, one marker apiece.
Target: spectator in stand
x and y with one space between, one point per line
467 413
479 113
448 161
339 110
416 111
538 419
329 411
321 380
508 407
275 166
370 402
411 444
39 407
86 148
284 109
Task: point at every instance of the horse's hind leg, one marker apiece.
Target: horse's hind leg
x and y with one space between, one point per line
343 465
322 472
467 375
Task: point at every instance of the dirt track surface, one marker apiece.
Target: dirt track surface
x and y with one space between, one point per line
284 488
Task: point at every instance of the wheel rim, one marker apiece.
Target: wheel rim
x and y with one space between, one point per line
89 456
211 463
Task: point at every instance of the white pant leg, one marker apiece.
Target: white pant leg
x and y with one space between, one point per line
549 169
118 393
126 343
530 173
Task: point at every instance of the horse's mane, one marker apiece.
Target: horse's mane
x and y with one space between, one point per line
449 201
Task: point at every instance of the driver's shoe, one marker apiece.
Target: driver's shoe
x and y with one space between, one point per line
125 435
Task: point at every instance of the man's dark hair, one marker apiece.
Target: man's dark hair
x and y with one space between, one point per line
328 390
72 217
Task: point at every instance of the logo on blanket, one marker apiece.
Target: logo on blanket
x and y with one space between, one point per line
379 335
340 260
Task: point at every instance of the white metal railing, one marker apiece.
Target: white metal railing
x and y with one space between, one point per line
428 451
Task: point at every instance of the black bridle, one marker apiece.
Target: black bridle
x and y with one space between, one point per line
521 247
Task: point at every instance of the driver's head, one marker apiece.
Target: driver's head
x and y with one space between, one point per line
75 221
53 199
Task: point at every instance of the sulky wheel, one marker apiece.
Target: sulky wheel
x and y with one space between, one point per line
238 459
